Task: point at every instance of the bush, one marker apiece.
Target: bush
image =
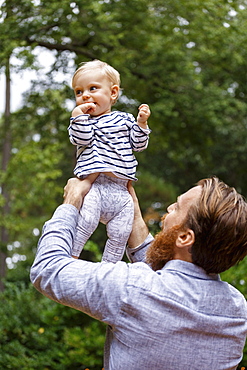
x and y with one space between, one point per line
37 333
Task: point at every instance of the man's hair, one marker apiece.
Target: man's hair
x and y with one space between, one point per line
219 221
108 71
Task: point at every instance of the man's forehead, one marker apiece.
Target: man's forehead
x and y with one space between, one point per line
190 197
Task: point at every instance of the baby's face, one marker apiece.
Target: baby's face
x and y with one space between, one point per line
94 87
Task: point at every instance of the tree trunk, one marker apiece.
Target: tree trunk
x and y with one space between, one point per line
6 152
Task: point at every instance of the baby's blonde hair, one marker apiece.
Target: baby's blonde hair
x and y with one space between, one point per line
111 73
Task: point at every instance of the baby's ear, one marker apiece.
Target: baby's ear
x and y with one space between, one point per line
114 92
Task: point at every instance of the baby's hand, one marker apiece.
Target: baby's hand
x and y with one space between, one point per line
85 108
143 115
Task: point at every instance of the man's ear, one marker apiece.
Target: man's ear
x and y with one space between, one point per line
185 238
114 92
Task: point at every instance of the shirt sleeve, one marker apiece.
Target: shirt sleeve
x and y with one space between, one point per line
138 254
96 289
80 130
139 136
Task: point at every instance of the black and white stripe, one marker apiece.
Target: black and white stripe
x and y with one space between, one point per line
106 143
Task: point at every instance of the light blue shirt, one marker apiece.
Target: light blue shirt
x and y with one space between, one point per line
176 318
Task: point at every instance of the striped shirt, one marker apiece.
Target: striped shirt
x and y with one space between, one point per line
106 143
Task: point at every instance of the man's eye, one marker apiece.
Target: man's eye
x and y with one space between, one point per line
78 92
93 88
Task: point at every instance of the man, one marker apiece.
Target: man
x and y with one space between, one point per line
172 312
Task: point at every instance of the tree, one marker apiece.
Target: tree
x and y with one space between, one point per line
28 331
198 98
54 28
187 59
5 161
193 93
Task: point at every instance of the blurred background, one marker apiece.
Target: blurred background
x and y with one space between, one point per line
187 59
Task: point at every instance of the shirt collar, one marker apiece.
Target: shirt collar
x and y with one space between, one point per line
189 268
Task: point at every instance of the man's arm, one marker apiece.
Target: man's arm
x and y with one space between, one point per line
140 238
80 284
139 229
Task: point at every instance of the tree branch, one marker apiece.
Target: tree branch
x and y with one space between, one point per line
60 47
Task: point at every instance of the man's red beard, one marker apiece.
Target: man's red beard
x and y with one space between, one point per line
162 248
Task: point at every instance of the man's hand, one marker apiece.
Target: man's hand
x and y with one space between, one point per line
85 108
143 115
139 229
75 191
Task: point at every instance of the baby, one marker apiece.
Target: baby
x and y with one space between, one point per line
105 141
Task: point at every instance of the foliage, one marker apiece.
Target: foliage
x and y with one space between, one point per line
35 168
163 194
46 335
187 59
